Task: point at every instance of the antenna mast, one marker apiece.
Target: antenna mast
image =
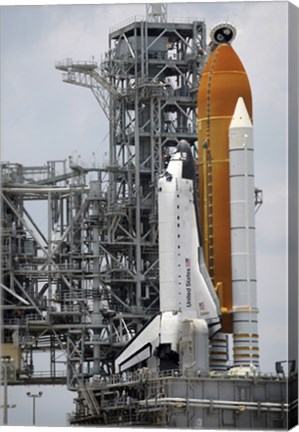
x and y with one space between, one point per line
156 12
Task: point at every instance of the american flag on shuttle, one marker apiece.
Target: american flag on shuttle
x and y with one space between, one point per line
187 262
202 306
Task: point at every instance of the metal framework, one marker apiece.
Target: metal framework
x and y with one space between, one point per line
87 282
171 399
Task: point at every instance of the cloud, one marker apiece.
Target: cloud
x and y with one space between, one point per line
52 400
272 292
40 113
39 104
271 220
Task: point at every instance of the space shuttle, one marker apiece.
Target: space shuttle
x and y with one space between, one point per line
189 306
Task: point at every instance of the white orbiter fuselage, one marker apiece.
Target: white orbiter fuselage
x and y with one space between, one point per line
186 291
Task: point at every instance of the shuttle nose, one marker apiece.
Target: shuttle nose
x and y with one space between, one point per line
184 149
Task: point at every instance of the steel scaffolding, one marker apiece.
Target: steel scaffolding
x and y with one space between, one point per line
87 282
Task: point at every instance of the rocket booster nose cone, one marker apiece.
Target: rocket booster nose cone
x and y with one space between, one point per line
241 117
184 149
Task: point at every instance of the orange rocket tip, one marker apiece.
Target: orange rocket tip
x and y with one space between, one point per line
223 81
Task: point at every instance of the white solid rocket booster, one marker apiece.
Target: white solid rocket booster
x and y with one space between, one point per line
245 327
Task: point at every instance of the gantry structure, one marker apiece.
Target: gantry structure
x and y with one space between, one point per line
88 282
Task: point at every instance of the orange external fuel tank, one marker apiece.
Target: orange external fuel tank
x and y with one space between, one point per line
223 81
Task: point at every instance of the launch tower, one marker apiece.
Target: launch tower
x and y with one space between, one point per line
88 283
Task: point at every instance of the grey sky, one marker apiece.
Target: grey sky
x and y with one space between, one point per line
43 118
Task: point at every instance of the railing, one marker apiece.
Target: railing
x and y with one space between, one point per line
48 374
34 317
127 22
14 322
137 18
136 376
70 62
145 374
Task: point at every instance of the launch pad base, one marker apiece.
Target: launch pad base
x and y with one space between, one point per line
170 399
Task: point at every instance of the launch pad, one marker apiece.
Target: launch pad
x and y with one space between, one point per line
177 400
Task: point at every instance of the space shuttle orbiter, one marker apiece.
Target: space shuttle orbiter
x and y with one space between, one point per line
186 291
